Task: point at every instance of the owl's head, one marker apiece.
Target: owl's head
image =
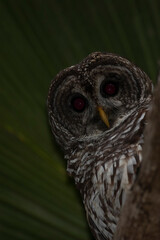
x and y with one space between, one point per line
95 96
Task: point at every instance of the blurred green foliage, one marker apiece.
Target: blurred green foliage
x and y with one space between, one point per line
37 39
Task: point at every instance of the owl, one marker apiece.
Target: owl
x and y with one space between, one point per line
97 112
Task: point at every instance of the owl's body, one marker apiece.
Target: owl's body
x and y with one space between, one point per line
102 155
103 183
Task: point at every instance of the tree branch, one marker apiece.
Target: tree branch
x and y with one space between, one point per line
140 218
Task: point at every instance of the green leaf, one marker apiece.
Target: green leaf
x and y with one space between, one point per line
38 39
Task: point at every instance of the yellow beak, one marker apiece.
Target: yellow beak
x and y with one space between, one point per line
103 116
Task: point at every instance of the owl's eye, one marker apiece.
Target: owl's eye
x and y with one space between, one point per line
109 88
78 103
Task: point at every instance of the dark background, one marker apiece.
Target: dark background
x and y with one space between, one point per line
38 39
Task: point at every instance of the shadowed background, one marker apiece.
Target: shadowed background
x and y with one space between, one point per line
37 39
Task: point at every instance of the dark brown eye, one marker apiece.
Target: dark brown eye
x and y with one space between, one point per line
109 88
78 103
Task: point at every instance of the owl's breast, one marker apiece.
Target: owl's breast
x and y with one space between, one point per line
109 184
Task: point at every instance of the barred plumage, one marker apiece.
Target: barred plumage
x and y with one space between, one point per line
102 159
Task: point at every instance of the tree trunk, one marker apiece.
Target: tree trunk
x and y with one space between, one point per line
140 218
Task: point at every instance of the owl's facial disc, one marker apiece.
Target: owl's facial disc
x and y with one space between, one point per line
95 96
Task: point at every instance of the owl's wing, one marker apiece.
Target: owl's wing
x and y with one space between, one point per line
97 233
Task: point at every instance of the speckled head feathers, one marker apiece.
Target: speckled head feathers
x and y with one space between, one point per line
86 80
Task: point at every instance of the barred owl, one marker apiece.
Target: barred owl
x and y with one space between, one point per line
97 112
